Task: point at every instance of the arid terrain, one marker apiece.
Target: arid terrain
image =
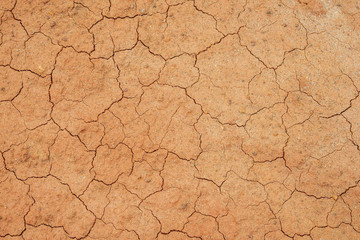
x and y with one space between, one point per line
179 119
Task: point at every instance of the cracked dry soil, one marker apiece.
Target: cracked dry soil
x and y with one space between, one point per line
179 120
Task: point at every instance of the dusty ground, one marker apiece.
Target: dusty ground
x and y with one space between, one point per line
176 120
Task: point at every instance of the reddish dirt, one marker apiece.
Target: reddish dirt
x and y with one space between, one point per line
178 120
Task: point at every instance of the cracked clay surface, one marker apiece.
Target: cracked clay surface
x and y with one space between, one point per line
179 119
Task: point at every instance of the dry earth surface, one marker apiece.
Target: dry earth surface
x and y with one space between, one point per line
179 120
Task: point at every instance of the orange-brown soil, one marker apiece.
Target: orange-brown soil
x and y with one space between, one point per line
179 120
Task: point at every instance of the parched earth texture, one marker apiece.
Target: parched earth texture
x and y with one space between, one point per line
179 120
